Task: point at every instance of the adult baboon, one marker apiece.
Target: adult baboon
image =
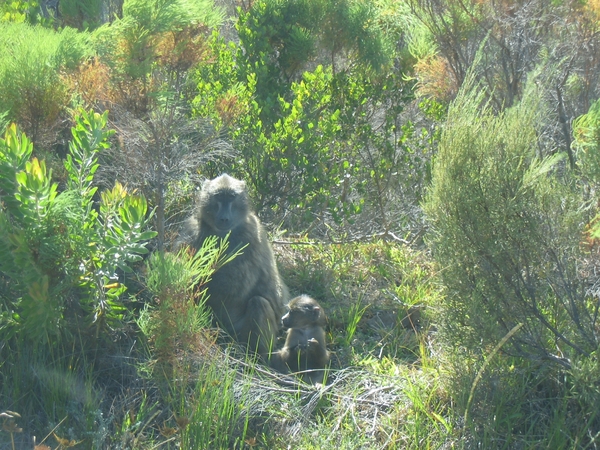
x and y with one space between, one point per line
246 295
304 348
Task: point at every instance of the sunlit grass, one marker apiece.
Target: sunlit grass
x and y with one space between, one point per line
390 386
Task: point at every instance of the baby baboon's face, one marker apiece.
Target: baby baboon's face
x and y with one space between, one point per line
301 315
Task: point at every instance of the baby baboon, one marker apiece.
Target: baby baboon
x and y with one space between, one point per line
304 348
246 295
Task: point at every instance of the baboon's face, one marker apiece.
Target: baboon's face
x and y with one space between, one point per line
227 210
225 203
300 316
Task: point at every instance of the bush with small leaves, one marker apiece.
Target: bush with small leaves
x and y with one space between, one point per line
506 231
33 87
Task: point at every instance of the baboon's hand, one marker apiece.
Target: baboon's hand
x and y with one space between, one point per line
303 346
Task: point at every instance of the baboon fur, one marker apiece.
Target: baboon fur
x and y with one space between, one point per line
305 347
247 295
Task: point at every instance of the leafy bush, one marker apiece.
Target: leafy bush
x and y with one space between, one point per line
336 145
586 131
57 249
280 39
506 231
182 345
32 87
62 260
150 49
301 163
176 280
80 14
23 11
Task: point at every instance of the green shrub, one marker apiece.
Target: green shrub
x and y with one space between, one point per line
57 248
337 144
32 86
23 11
586 131
175 325
506 230
150 49
279 39
62 260
80 14
182 346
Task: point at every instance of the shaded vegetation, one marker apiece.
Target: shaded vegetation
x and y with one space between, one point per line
428 171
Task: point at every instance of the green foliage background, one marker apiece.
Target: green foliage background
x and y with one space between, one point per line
431 167
34 92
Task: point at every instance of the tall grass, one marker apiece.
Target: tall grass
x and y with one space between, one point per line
216 417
